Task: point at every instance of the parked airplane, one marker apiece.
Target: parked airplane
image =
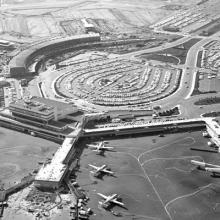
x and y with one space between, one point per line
205 134
100 147
211 144
214 169
102 169
110 199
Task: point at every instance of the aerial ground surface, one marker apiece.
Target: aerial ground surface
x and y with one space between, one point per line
32 20
20 155
153 175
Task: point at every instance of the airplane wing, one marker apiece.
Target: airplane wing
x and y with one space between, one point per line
214 170
103 196
92 146
93 166
107 171
117 202
110 148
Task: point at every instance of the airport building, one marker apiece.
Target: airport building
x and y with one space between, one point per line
213 129
41 109
21 61
6 44
52 173
88 26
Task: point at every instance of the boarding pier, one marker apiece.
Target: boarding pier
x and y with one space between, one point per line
52 173
147 127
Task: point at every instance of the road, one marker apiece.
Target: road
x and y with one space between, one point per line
155 49
182 96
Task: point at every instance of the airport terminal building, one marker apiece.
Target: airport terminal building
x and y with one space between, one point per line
41 109
21 60
52 173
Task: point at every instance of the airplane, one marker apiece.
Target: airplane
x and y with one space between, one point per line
99 170
100 147
210 144
214 144
212 168
205 134
110 199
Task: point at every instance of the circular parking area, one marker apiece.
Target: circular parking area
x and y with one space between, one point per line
117 82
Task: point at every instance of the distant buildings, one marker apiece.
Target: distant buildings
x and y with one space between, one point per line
88 26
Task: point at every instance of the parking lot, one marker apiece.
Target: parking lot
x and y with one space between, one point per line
118 82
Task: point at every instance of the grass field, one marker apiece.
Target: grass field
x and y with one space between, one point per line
20 154
208 101
161 57
154 178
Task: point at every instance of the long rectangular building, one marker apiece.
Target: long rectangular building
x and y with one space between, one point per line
52 173
20 61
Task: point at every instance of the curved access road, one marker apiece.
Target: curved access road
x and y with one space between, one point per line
189 70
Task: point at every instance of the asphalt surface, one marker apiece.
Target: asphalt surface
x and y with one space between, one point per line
153 176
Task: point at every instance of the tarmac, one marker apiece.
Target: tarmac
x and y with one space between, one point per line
153 176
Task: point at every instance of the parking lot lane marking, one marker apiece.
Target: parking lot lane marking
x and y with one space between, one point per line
157 193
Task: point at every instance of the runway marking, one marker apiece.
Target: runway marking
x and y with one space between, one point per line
160 176
161 147
170 158
193 142
9 148
149 180
177 169
187 195
146 176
